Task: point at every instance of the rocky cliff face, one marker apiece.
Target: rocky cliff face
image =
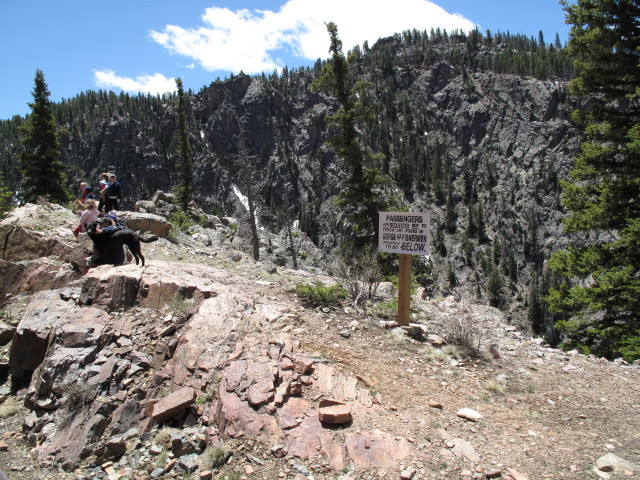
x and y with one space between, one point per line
494 146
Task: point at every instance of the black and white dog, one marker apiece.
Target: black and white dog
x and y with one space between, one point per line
104 241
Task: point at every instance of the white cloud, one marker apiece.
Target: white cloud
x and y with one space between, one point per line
250 40
155 84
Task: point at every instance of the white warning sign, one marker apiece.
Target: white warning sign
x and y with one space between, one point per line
404 232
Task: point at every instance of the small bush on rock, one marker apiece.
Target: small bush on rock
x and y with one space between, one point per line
465 330
359 271
180 307
183 221
319 293
76 396
163 437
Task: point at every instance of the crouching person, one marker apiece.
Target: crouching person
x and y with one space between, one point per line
103 252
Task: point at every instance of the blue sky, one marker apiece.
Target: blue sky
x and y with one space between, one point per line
143 45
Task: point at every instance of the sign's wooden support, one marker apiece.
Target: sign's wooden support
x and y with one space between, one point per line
404 289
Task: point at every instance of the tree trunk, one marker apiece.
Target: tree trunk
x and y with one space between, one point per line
252 220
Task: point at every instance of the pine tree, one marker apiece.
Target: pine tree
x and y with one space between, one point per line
535 312
600 301
472 227
439 243
43 174
246 176
531 249
557 43
185 189
451 275
450 210
480 223
5 195
494 287
364 194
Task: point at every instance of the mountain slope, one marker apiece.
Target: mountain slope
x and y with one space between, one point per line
473 128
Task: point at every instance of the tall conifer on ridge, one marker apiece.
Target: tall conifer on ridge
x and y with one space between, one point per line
185 167
600 300
43 172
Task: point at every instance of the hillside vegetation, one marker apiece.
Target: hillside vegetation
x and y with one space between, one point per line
473 128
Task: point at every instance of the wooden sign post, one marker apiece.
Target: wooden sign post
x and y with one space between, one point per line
405 233
404 289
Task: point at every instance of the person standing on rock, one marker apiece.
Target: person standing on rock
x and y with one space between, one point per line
82 192
114 194
104 177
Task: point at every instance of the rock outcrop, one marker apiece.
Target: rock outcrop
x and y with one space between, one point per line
148 222
214 365
83 357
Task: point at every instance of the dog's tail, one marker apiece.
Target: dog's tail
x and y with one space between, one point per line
148 238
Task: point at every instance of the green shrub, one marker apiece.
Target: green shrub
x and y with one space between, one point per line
319 293
359 271
163 437
180 306
496 387
451 350
386 309
181 220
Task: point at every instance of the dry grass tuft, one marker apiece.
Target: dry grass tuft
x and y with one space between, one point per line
9 408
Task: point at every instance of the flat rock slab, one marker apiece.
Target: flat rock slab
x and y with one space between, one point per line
335 414
173 404
47 316
463 448
152 286
291 414
376 449
148 222
306 440
18 244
